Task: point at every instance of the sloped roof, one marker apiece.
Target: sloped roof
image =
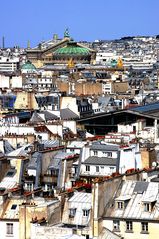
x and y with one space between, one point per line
81 197
94 160
22 151
7 147
104 147
54 163
50 143
134 208
42 116
107 234
36 118
49 115
33 163
67 114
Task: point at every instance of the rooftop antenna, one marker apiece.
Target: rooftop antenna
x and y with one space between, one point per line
3 42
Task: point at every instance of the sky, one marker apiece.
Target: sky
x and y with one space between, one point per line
38 20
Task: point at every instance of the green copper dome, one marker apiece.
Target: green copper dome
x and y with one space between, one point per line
72 49
28 66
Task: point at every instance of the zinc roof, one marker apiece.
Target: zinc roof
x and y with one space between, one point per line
104 146
94 160
135 206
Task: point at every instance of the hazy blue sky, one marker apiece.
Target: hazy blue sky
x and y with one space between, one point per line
37 20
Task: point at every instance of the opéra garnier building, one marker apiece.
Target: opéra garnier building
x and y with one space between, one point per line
61 52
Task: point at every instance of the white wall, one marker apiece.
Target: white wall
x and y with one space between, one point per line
55 129
104 170
69 102
3 229
49 232
16 82
130 158
16 129
71 125
104 153
4 81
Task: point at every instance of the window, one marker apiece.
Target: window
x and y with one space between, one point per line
144 226
49 187
87 168
85 213
54 172
29 186
109 155
146 207
14 206
72 212
111 169
97 169
105 153
129 226
95 152
9 228
116 225
120 205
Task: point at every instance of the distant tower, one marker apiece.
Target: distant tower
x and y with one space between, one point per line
3 42
55 37
28 45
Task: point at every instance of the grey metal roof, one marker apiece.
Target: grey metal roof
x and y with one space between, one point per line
94 160
67 114
7 147
104 147
49 115
147 108
50 143
33 163
140 187
22 151
139 193
54 163
36 118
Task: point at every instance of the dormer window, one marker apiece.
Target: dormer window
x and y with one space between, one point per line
72 212
87 168
109 155
95 152
122 201
120 205
85 213
146 207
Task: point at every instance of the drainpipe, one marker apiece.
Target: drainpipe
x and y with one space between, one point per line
155 131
